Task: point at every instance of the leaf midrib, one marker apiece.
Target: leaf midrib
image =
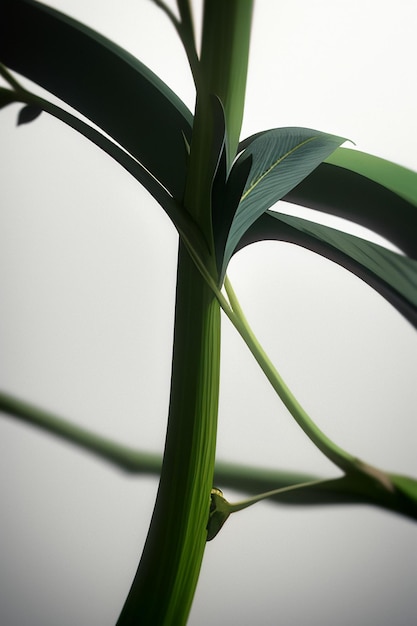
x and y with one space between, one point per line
274 165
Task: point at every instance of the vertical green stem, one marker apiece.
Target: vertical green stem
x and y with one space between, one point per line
223 71
165 582
224 59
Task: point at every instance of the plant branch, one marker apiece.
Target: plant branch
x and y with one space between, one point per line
124 457
10 79
185 30
128 459
199 253
134 461
244 504
378 486
344 490
221 509
337 455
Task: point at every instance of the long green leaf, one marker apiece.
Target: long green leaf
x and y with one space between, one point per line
392 275
367 190
103 82
397 178
281 158
183 222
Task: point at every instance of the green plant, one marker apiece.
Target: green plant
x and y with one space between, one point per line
200 191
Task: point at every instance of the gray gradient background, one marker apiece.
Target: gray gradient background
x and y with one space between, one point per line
87 279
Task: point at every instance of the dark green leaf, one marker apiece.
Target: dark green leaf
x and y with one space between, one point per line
392 275
103 82
281 158
181 219
226 195
397 178
7 96
349 194
28 114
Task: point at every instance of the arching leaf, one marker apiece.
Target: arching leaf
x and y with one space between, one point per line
392 275
369 191
103 82
397 178
183 222
281 158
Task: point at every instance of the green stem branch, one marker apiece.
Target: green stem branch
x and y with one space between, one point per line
185 30
337 455
351 489
8 77
124 457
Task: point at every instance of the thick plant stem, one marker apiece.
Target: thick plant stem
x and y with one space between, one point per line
222 74
164 585
167 575
224 60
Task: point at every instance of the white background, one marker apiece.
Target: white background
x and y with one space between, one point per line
87 279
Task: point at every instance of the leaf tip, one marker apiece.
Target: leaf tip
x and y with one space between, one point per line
29 113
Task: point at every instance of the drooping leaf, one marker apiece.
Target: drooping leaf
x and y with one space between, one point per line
397 178
392 275
281 158
183 222
103 82
367 190
28 114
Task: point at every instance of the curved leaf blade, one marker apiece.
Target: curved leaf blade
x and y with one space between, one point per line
392 275
377 203
103 82
398 179
183 222
281 158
